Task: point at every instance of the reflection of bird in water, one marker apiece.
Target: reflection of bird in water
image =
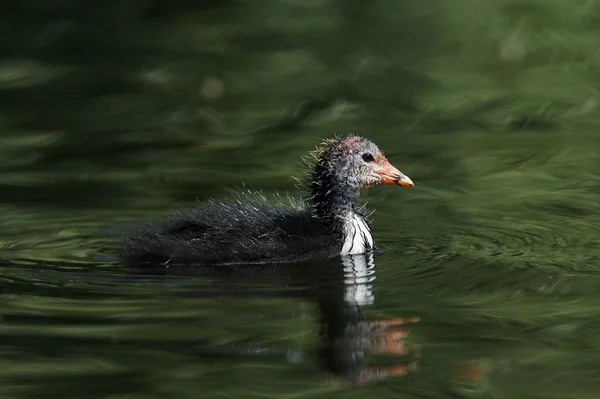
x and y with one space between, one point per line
347 338
340 292
328 224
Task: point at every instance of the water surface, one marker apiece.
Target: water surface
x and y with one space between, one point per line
488 277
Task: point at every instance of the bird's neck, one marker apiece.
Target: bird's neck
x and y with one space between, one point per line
335 204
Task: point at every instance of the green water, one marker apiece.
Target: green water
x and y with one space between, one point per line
112 117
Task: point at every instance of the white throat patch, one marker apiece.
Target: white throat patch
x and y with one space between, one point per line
357 235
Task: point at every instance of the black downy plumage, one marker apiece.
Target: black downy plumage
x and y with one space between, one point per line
326 224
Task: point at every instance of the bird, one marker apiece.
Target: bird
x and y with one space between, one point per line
327 223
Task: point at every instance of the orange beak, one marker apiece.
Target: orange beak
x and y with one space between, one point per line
390 175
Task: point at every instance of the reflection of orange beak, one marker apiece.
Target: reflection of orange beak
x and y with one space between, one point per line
390 175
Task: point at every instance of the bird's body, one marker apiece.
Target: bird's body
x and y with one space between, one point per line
253 230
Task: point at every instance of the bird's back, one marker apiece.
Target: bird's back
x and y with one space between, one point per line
236 232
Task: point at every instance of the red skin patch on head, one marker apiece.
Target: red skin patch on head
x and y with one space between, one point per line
351 143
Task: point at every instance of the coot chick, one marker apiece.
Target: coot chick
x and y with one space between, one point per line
327 224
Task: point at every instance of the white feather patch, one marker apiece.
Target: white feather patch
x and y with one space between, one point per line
357 236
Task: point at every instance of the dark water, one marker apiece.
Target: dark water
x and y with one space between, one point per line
489 282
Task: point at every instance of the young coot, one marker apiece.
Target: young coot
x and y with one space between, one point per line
326 224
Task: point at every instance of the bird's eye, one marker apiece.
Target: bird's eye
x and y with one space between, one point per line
368 157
